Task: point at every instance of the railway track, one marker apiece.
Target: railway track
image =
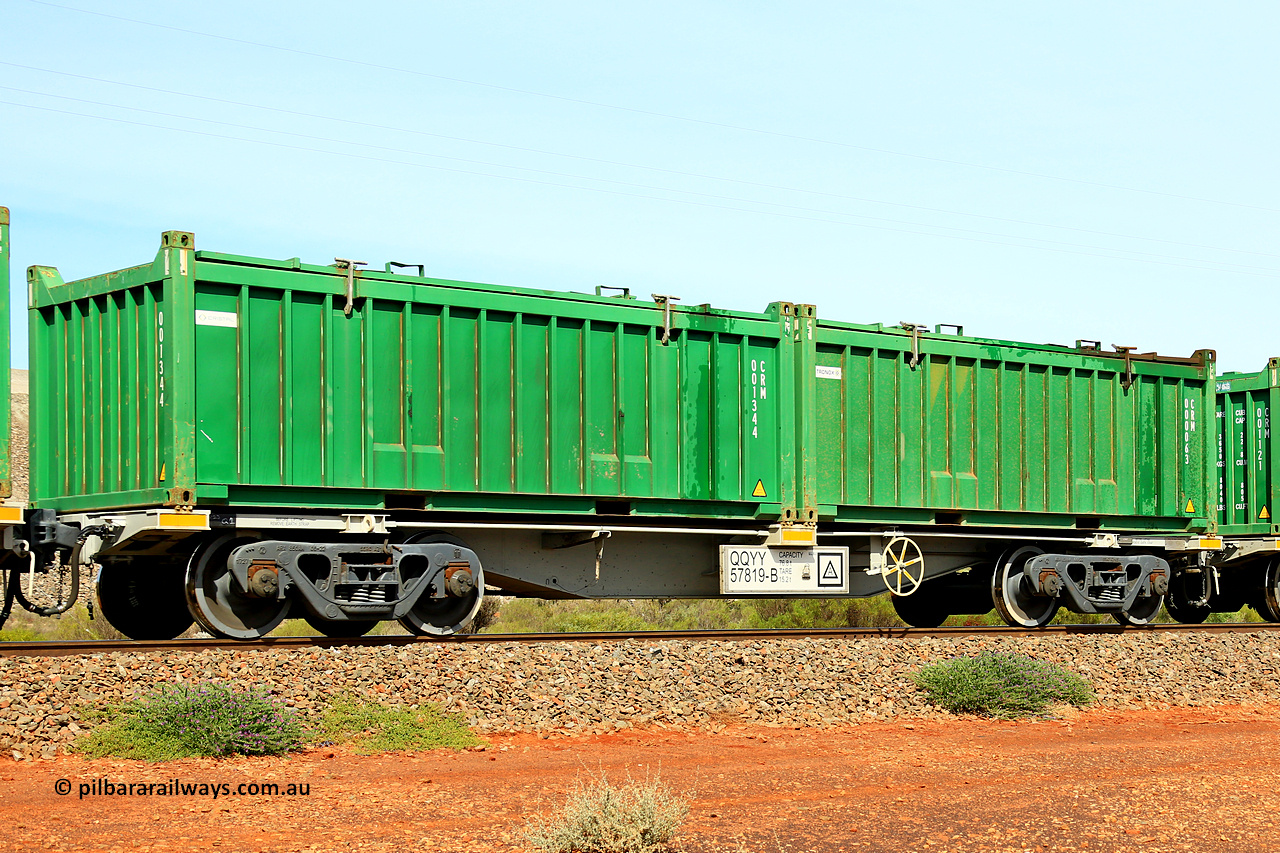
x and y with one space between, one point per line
62 649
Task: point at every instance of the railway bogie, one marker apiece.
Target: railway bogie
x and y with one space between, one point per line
236 441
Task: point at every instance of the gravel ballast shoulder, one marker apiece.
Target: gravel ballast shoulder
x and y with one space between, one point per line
562 688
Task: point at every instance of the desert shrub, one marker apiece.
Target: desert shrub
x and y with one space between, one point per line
1001 685
373 727
1244 614
638 817
195 721
523 615
74 625
530 615
490 607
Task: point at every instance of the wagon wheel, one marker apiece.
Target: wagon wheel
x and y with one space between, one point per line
903 566
1143 612
345 629
144 599
1268 605
444 616
9 571
1185 588
1017 605
921 611
219 604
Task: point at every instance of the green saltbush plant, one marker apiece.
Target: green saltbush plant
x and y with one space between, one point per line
189 721
373 727
1001 685
639 817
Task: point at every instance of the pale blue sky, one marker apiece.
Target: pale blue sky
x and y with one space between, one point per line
1033 171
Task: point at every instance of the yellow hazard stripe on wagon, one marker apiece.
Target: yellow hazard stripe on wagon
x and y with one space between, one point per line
185 520
802 536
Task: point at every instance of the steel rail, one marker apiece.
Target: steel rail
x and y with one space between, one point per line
92 647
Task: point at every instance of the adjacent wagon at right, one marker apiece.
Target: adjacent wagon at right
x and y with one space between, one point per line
1248 570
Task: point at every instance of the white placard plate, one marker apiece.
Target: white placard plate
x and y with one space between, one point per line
765 570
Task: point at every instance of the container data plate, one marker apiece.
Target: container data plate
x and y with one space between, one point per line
766 570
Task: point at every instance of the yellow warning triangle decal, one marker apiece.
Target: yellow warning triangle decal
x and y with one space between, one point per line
758 491
1264 513
1190 506
162 464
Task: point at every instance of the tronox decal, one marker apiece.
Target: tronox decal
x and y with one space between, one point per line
223 319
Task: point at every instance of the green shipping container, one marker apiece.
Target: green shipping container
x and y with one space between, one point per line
204 378
920 427
1247 475
211 379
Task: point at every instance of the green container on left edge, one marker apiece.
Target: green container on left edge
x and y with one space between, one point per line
6 472
203 378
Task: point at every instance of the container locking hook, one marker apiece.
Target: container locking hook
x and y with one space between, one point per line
665 303
1127 382
915 329
350 267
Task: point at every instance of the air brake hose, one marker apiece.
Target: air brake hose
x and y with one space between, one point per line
102 530
56 609
11 581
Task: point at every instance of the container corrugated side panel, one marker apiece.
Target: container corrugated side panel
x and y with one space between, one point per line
96 419
978 428
1246 460
455 389
96 423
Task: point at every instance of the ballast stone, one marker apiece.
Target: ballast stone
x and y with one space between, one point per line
570 688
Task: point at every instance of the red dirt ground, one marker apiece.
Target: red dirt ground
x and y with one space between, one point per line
1180 779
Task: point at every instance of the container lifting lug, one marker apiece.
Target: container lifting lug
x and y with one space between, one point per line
665 302
350 267
421 268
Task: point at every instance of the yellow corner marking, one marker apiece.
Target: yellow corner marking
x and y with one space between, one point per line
162 472
758 491
1211 543
800 536
1264 513
1190 506
183 519
10 514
